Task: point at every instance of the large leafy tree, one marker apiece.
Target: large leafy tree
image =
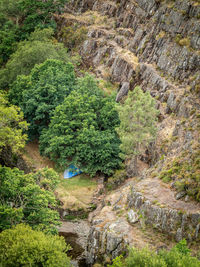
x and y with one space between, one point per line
138 117
28 198
42 91
39 47
22 246
12 126
82 131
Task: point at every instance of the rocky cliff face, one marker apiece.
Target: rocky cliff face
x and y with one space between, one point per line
154 44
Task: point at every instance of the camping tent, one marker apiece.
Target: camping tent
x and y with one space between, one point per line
71 172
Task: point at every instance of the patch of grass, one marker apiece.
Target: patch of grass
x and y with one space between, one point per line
78 182
72 217
76 193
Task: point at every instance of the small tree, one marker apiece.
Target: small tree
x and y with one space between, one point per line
138 117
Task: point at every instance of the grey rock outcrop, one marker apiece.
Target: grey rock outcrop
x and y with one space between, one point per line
106 239
169 221
123 91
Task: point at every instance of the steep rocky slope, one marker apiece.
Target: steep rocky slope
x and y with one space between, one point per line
154 44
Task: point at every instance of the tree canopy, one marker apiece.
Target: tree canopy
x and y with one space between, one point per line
42 91
31 14
39 47
28 198
12 126
82 131
22 246
138 117
8 37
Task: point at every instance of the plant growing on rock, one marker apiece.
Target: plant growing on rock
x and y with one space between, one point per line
138 117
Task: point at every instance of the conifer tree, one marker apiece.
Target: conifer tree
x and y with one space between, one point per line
138 117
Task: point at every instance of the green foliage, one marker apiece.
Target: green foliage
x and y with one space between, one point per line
22 246
138 117
178 256
12 126
144 257
82 131
31 14
28 198
8 37
117 262
9 216
39 47
42 91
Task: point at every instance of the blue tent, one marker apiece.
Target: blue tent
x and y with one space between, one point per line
71 172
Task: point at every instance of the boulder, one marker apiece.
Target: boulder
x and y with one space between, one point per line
132 217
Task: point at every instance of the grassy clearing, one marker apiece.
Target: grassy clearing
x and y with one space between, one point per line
76 193
78 182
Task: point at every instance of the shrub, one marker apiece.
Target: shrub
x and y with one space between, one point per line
178 256
22 246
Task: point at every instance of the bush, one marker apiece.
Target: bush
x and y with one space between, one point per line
28 198
22 246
